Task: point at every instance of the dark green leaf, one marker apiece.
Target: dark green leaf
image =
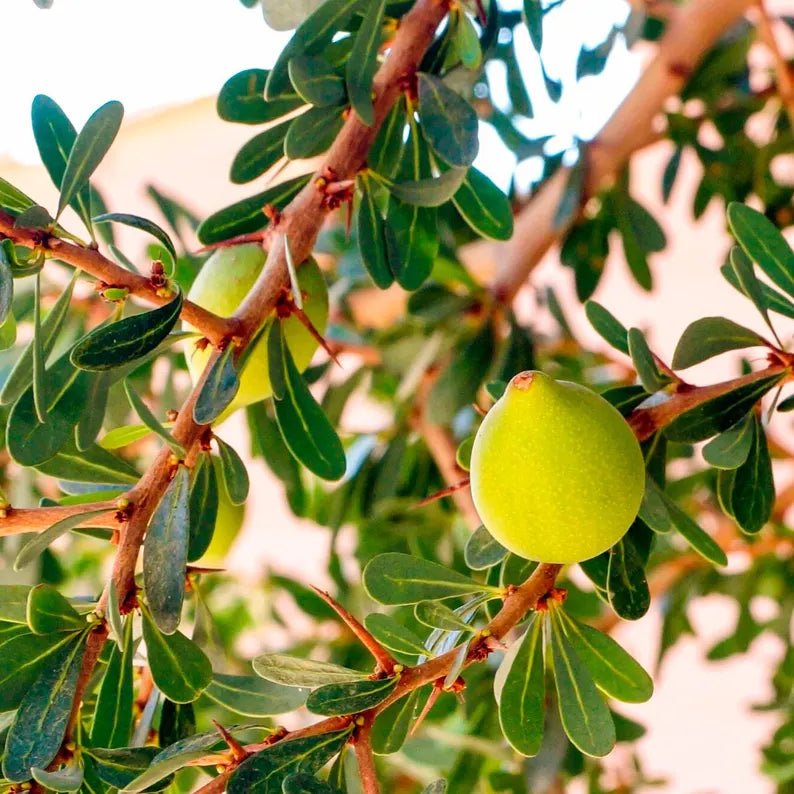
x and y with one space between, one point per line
404 579
764 244
120 766
386 151
371 233
151 421
642 358
246 216
220 388
363 61
90 146
753 493
749 283
393 636
13 199
730 449
449 122
695 535
482 551
393 724
520 691
301 783
776 301
628 588
294 672
66 778
113 711
127 340
254 697
92 465
203 507
484 207
179 668
709 337
350 698
670 173
721 413
38 728
235 475
259 154
653 508
48 611
585 715
313 132
137 222
316 81
242 99
607 326
533 17
165 553
432 191
411 242
90 423
304 426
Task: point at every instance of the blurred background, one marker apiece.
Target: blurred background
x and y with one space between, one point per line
166 61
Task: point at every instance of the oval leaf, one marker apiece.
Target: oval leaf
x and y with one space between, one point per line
350 698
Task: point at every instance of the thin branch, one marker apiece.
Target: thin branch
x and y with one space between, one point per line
384 659
90 261
692 30
365 757
37 519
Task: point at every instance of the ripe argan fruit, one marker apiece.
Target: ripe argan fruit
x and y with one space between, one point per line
556 473
220 287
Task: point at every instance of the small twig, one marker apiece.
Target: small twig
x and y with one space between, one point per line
444 492
384 659
238 751
37 519
365 757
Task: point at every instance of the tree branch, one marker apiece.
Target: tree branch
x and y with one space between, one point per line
366 760
90 261
37 519
691 32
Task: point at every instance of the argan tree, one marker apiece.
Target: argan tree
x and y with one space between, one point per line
465 646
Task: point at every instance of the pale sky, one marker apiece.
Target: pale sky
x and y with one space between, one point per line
151 53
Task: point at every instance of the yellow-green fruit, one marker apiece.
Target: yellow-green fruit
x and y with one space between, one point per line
220 287
556 473
228 524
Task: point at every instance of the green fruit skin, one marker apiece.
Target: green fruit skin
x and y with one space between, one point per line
223 282
557 475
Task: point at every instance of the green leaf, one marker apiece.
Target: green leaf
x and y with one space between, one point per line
55 136
653 509
13 199
309 39
242 99
254 697
203 507
90 146
371 234
642 358
122 436
404 579
20 376
776 301
412 241
14 603
37 731
316 81
363 61
393 724
393 636
350 698
585 715
431 191
127 340
449 122
304 427
730 449
36 545
628 588
458 384
533 18
301 783
467 41
436 787
24 655
709 337
607 326
721 413
484 207
66 778
246 216
753 493
439 616
264 772
219 390
165 553
35 217
695 535
260 154
113 711
235 476
520 691
90 423
386 152
151 421
482 551
614 671
120 766
294 672
313 132
92 465
764 244
48 611
179 667
749 283
145 225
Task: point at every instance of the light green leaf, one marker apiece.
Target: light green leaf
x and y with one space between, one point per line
254 697
393 636
482 551
294 672
48 612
